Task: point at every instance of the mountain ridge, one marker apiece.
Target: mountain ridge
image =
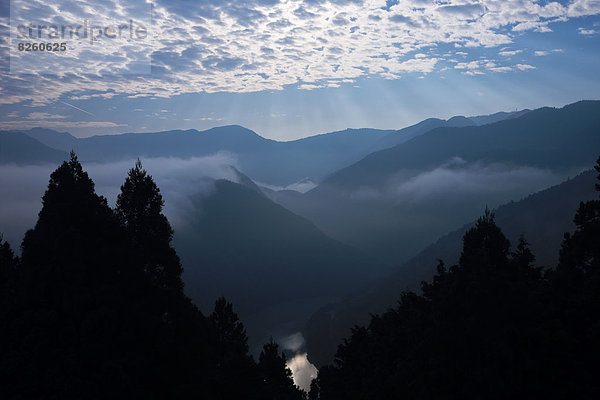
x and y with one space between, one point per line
279 163
542 217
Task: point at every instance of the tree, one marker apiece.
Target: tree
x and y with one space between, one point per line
484 246
75 237
576 284
277 377
139 210
8 272
235 374
8 286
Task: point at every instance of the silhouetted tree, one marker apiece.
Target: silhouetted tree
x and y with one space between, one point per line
139 209
277 377
8 272
235 374
8 287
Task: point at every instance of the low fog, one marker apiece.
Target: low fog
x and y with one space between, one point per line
301 186
459 180
303 371
24 186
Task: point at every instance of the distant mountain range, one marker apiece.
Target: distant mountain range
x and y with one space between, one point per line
20 148
266 161
546 137
394 202
542 218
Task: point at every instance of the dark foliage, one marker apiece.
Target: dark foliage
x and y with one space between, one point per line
275 374
94 308
139 210
494 326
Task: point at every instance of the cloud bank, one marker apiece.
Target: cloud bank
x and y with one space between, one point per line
459 180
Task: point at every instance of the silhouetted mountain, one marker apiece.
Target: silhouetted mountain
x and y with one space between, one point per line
277 163
404 135
18 148
546 137
240 244
51 138
394 202
499 116
268 161
542 218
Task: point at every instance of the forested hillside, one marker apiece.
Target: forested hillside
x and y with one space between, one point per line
492 326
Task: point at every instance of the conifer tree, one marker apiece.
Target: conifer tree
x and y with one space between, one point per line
484 246
8 272
139 210
277 377
75 241
235 374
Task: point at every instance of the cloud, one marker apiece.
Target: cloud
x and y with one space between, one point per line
587 32
580 8
478 67
541 53
42 115
55 123
20 199
301 186
303 372
525 67
23 186
509 53
227 46
459 179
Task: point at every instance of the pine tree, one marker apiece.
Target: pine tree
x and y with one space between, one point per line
139 210
484 246
277 377
576 300
8 272
75 242
235 374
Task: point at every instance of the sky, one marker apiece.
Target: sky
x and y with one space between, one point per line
289 69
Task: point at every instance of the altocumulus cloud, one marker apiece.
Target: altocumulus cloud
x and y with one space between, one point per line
228 46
